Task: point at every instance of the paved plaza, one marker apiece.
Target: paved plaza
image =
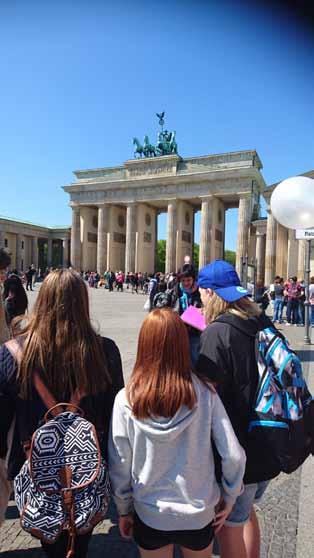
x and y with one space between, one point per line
287 511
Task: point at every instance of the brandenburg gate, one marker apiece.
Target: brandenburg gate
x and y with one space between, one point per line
114 210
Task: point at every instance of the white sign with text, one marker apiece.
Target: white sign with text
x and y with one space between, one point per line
304 234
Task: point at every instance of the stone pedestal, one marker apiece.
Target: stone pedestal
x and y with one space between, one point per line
206 229
76 239
102 241
130 242
270 251
171 237
244 218
260 257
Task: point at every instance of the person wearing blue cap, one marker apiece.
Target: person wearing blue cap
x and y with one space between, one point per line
228 359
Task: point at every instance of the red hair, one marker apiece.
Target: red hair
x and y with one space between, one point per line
161 381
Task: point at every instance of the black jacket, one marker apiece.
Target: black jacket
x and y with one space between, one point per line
97 408
228 358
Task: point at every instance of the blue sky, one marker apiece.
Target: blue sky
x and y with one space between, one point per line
79 79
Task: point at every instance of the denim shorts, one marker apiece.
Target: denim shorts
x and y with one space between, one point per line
241 510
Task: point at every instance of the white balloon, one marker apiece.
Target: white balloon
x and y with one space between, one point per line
292 202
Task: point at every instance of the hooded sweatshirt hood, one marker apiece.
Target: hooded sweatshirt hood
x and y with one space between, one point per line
167 429
249 327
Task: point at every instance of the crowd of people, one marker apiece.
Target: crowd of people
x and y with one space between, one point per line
289 296
175 439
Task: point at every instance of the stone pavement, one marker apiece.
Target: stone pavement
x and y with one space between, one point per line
287 510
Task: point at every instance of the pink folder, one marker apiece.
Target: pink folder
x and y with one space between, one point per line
193 317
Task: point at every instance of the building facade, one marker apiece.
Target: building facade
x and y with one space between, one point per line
34 244
277 251
114 210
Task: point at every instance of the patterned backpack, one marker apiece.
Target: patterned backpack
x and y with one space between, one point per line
281 427
64 483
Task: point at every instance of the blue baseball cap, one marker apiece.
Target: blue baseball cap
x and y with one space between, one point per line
221 277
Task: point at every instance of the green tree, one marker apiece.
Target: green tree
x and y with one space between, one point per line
196 255
161 256
230 257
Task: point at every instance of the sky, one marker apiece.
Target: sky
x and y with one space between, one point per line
80 79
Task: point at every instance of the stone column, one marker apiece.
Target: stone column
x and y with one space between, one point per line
35 252
49 252
244 218
18 259
156 241
103 224
206 232
130 241
171 237
65 252
270 251
260 257
281 251
76 239
301 259
292 260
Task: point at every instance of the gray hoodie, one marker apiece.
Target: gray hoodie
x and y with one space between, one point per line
164 467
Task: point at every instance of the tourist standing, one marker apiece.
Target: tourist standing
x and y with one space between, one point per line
311 297
6 409
293 292
278 300
59 343
228 358
29 278
120 281
5 261
15 298
152 289
301 307
186 293
160 452
111 280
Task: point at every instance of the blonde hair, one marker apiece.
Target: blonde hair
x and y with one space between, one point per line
243 308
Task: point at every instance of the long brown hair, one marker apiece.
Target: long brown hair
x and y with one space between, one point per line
161 381
59 341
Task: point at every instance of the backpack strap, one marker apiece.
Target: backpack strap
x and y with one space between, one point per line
15 346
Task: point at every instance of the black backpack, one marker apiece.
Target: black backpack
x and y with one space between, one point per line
281 424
